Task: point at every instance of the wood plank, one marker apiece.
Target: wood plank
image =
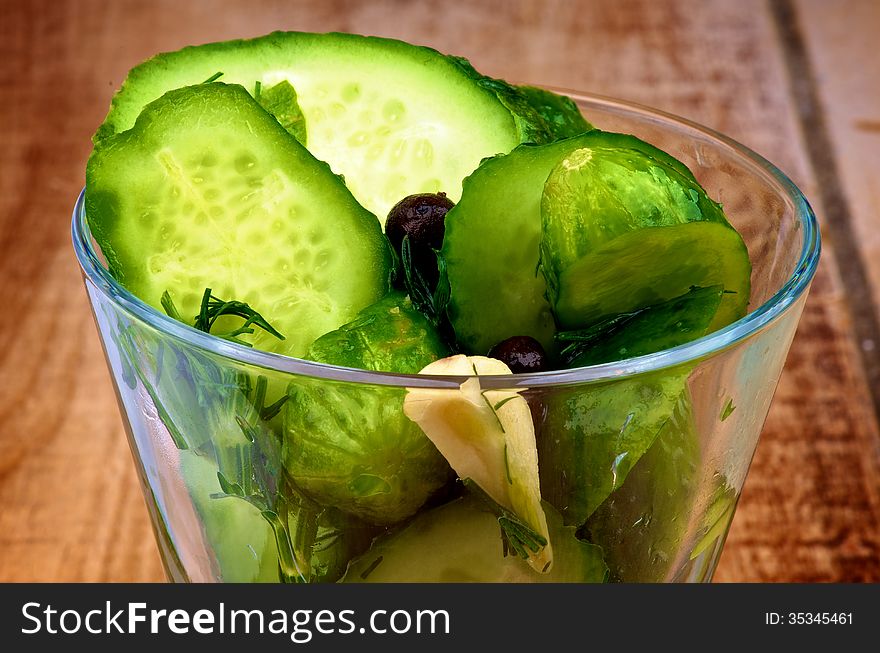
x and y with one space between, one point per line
70 508
844 116
847 73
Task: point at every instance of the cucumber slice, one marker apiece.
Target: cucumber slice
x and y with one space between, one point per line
652 329
559 112
208 190
460 542
492 243
240 539
592 437
395 119
491 248
541 116
623 230
351 446
641 527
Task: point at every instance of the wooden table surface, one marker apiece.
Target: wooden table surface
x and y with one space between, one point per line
796 80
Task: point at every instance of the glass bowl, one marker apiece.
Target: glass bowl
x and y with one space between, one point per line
641 461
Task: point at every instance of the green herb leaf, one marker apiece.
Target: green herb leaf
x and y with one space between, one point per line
228 487
266 413
492 408
519 537
169 307
249 470
289 567
728 409
516 535
212 308
499 404
280 100
132 373
431 302
580 340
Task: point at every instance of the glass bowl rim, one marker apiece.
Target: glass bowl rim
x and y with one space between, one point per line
749 325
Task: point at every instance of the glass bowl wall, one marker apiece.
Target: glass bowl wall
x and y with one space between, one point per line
645 458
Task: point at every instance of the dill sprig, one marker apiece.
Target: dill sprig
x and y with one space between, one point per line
132 373
212 308
431 302
580 340
266 413
520 538
517 537
249 471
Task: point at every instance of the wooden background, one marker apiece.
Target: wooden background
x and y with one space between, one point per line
796 80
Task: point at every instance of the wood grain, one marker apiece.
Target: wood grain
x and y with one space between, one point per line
845 149
847 72
70 508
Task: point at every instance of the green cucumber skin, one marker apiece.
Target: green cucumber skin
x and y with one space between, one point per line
704 254
352 447
133 212
662 326
280 101
602 190
492 243
593 436
560 114
279 50
389 336
460 542
496 290
642 525
414 119
618 221
541 116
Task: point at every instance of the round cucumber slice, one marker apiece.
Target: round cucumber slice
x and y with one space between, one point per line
460 542
623 229
642 525
395 119
241 541
653 265
593 436
491 248
208 190
352 447
493 235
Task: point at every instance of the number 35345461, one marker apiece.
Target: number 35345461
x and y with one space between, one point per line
808 618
